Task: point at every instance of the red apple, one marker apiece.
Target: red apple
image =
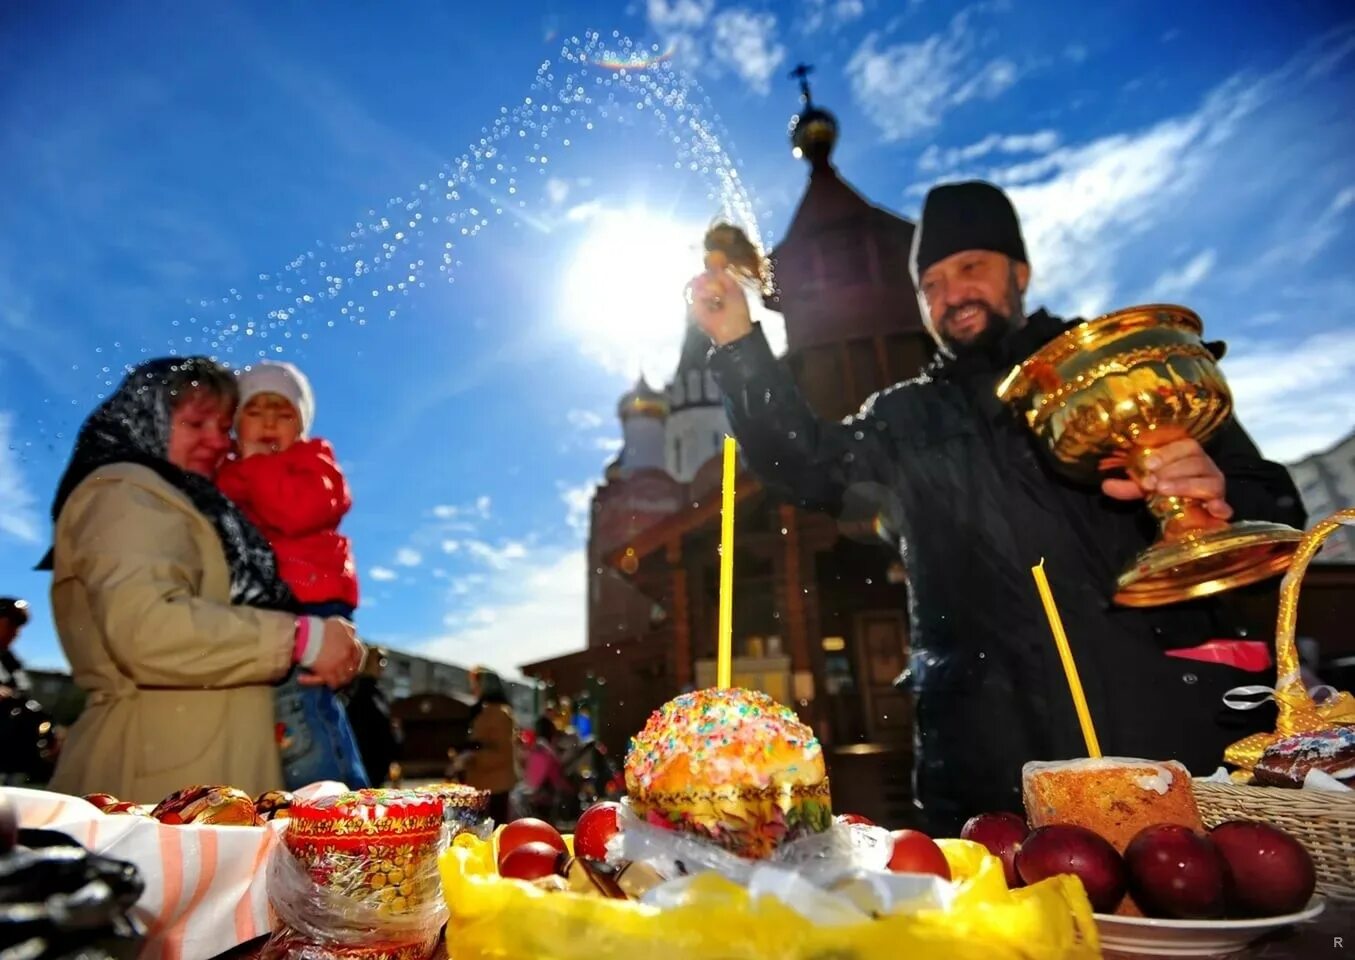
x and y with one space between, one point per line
596 826
1174 872
528 830
1001 834
1063 848
530 861
1269 872
915 852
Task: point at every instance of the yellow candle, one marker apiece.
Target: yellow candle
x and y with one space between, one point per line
724 664
1084 715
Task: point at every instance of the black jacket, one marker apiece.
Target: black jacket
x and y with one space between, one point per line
962 488
370 717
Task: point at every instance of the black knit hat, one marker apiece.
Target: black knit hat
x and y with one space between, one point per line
973 215
14 610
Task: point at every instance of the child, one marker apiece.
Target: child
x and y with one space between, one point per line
292 489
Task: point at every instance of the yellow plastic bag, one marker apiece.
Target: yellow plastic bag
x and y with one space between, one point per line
511 920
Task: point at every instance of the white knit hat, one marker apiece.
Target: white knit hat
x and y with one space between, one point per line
285 380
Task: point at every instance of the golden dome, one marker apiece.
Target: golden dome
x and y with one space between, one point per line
642 400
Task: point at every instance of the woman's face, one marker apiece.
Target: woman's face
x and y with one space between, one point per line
200 434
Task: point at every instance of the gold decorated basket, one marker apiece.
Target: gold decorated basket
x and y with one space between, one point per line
1323 822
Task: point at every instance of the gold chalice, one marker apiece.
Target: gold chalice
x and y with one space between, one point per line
1106 393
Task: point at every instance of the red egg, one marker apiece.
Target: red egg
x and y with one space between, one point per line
1002 835
9 826
855 818
1062 848
597 825
528 830
530 861
1270 873
915 852
1174 872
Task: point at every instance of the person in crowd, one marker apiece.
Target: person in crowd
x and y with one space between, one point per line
490 760
13 618
27 734
544 784
167 600
962 489
290 486
370 716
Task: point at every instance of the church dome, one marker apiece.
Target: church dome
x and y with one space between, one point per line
642 400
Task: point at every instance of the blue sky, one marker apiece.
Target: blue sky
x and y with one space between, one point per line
471 231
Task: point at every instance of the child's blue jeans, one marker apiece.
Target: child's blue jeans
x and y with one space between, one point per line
314 737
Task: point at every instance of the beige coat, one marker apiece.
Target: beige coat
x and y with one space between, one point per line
178 678
493 765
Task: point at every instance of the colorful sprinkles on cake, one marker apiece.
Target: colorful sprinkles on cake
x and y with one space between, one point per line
732 765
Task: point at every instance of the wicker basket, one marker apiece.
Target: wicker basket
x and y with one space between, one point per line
1323 822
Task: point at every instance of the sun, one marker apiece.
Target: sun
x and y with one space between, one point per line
623 291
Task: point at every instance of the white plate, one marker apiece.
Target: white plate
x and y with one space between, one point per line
1192 938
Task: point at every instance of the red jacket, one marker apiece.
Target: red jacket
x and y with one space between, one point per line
297 498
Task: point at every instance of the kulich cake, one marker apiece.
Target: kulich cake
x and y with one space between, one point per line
222 806
1286 762
1111 796
463 807
733 766
370 857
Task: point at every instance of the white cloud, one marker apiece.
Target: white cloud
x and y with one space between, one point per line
536 612
1075 52
1177 283
1274 383
583 419
482 505
451 546
745 42
557 191
383 574
832 14
501 557
1100 195
583 212
18 516
736 40
578 504
408 557
672 15
1308 242
609 444
445 511
907 88
935 159
990 82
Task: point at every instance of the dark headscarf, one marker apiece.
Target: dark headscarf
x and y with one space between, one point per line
132 426
492 690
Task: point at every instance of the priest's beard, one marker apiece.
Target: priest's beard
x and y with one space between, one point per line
1000 320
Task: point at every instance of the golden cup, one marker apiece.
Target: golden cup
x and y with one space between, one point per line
1103 396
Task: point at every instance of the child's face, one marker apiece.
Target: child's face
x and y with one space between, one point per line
268 424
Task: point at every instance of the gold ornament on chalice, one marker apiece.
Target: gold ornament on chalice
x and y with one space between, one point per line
1103 396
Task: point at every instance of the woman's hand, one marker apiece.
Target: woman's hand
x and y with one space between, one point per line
717 303
341 656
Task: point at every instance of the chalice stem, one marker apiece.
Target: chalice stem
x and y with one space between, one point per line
1181 518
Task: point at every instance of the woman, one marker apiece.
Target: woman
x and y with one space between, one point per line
491 764
167 601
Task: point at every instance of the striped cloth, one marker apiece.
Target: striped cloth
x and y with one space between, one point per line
205 885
